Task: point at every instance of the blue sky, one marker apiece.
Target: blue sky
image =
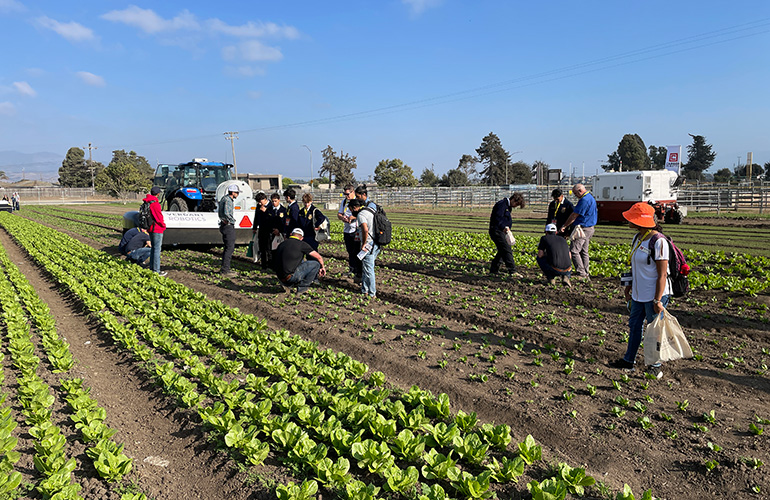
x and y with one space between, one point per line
419 80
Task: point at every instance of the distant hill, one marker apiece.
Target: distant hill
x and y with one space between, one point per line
37 166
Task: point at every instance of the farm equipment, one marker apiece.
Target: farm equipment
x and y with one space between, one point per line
616 192
191 192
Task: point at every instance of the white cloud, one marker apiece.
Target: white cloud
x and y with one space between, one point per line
11 6
150 22
254 30
74 32
91 79
252 50
7 109
24 88
417 7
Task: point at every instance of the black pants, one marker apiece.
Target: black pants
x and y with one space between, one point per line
504 252
353 247
265 255
228 238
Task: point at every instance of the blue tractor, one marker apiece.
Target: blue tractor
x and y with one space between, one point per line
191 187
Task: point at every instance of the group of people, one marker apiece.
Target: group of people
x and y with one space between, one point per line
564 220
646 284
139 244
14 201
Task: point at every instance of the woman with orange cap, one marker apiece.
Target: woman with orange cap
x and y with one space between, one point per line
648 288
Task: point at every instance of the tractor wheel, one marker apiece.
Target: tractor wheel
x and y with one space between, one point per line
178 204
676 216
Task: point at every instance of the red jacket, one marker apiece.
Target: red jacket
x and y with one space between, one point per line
160 224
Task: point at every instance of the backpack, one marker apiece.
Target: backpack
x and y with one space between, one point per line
145 219
383 230
677 266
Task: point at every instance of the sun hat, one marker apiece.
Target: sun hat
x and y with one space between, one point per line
233 188
550 228
299 232
641 214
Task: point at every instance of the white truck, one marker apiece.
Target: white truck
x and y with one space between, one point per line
616 192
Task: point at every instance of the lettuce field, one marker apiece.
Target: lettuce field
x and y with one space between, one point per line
452 384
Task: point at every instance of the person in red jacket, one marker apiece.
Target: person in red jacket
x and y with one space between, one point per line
156 231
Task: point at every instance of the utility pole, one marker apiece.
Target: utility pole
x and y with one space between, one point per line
310 181
231 136
91 164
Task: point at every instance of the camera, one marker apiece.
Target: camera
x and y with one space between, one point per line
626 279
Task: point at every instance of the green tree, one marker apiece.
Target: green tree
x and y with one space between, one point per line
74 170
495 159
756 170
140 163
613 162
394 173
122 177
520 173
657 156
467 165
700 157
454 178
428 178
339 167
633 153
767 171
286 183
723 175
3 175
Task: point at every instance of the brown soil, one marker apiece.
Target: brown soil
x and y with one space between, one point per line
445 330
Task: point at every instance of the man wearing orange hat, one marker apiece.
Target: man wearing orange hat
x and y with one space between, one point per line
647 287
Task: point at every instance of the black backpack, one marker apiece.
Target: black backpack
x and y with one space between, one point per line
145 220
383 230
680 283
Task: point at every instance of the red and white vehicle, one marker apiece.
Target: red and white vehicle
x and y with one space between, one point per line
616 192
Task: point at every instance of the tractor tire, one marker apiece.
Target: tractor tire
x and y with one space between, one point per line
178 204
676 216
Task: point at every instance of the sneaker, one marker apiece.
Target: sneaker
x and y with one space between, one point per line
514 274
162 273
551 281
302 290
621 364
286 288
229 274
653 372
565 280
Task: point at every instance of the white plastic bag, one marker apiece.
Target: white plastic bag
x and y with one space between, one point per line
255 247
510 238
577 233
277 240
323 231
664 340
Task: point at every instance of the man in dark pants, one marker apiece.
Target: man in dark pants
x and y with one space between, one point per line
350 233
499 226
135 245
559 211
263 228
227 228
289 265
553 256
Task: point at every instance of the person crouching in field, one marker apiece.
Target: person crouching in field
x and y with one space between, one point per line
553 256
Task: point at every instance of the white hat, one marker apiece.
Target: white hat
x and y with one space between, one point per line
299 232
550 228
233 188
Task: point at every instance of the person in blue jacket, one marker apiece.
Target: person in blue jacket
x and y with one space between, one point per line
310 219
499 225
585 216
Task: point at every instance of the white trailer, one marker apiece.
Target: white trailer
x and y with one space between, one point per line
616 192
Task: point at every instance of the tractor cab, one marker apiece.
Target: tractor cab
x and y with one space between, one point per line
191 187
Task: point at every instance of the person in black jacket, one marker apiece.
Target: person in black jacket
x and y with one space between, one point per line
499 225
310 219
276 215
263 228
559 211
553 256
292 212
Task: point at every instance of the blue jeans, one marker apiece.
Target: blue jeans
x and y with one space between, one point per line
640 311
139 255
549 271
156 240
368 284
304 275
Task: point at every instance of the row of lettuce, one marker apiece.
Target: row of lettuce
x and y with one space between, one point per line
27 318
263 392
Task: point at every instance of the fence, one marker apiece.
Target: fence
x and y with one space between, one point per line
695 197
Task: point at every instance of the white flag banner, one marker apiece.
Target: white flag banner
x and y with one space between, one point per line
674 158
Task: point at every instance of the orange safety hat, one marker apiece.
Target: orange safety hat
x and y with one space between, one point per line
641 214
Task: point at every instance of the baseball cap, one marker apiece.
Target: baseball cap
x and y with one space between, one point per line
299 232
550 228
155 191
233 188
